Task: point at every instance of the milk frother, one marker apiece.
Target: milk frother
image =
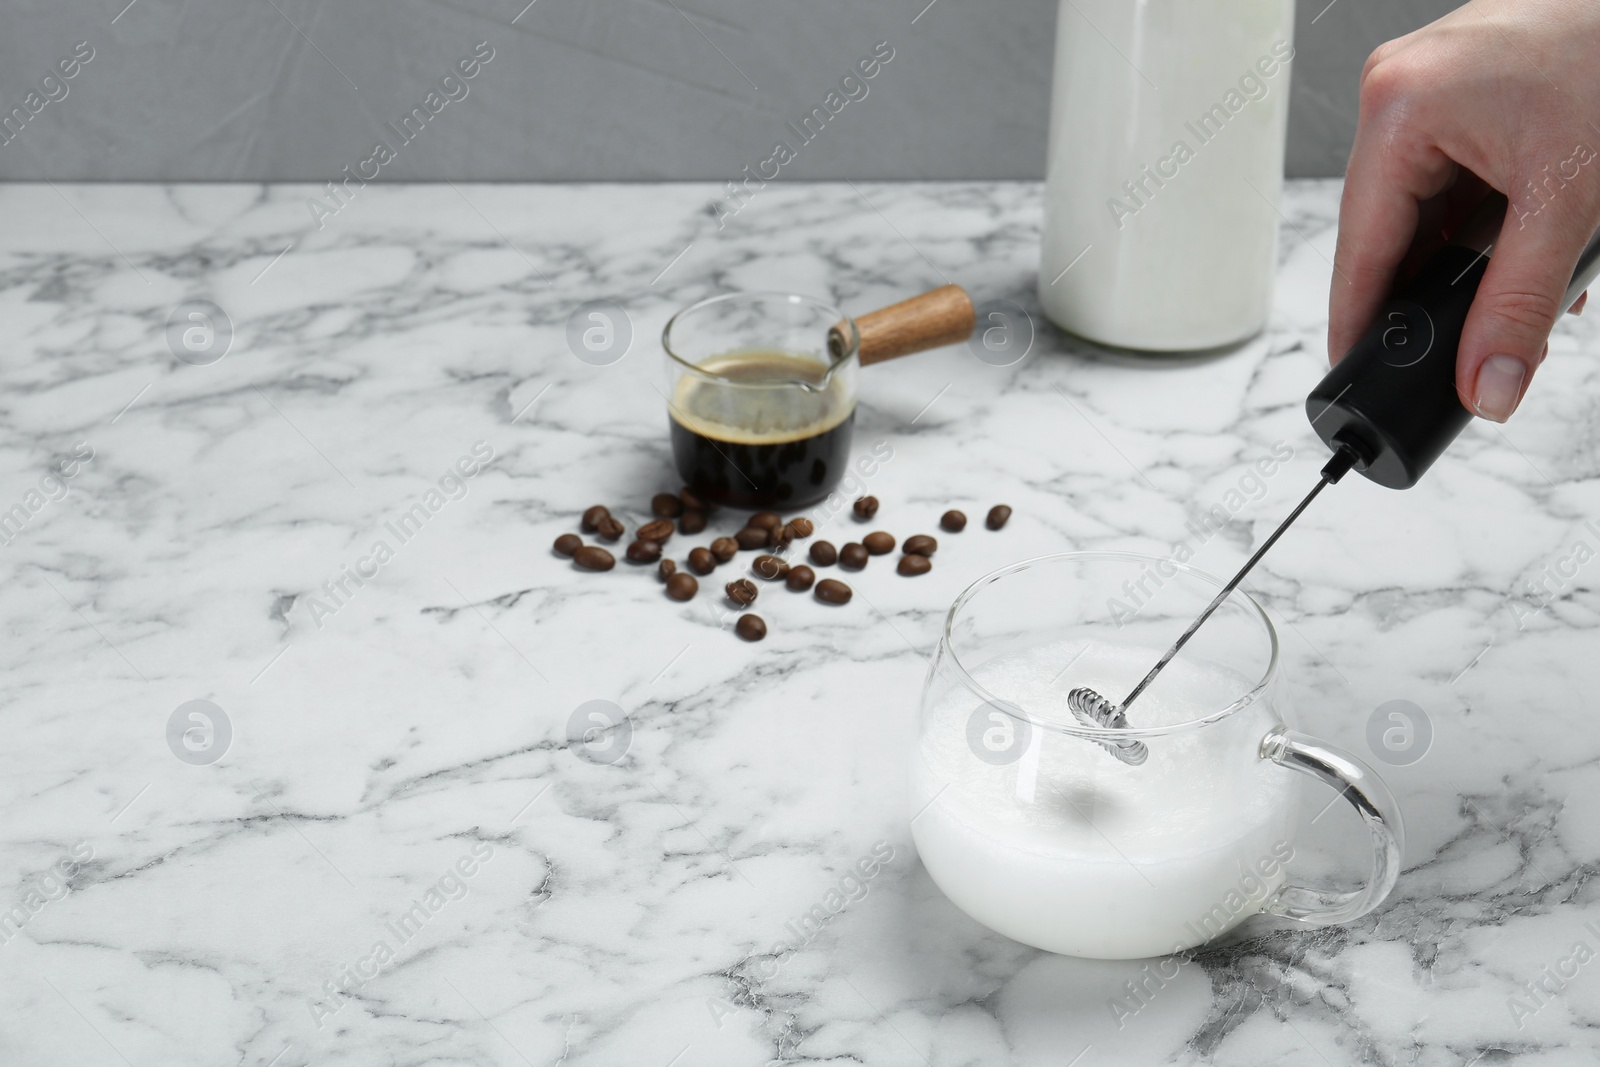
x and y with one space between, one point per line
1388 409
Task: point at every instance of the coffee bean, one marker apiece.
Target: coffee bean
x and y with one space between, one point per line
920 545
751 537
594 558
567 544
682 586
779 537
879 542
800 527
742 591
750 627
865 508
997 516
833 591
770 567
666 506
644 551
666 569
724 548
853 555
591 518
800 578
657 531
692 522
608 527
912 565
765 520
953 520
701 561
823 554
691 500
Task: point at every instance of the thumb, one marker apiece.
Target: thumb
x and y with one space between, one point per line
1517 304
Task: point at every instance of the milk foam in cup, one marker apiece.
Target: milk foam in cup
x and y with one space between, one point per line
1071 850
1032 828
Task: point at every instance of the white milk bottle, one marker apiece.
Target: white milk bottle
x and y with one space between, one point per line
1165 169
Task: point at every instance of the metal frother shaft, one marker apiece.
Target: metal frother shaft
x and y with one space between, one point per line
1336 468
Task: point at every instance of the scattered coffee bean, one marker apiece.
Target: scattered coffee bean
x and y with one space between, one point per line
800 527
702 561
912 565
750 627
594 558
800 578
779 537
865 508
692 522
823 554
953 520
751 537
997 516
644 551
657 531
742 591
682 586
765 520
609 527
879 542
920 545
567 544
724 548
666 506
853 555
666 569
770 567
591 518
691 500
833 591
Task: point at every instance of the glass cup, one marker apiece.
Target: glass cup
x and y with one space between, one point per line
1122 843
760 404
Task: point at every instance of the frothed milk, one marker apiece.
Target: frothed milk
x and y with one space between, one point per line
1071 850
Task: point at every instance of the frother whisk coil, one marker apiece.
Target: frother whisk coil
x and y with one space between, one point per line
1092 709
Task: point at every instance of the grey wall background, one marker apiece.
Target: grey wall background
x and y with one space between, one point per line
586 89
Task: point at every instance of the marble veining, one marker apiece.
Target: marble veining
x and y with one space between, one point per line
399 858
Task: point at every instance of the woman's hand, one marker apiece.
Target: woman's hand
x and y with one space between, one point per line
1503 95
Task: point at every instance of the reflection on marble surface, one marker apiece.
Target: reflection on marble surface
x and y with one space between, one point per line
397 771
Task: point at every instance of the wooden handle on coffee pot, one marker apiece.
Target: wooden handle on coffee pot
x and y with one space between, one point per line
938 317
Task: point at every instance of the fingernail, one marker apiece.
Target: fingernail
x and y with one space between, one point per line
1499 383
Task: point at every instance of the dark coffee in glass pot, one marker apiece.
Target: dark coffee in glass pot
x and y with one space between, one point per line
762 427
761 397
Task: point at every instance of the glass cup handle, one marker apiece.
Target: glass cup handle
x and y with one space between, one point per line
1365 791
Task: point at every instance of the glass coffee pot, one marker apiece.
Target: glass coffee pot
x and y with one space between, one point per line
761 387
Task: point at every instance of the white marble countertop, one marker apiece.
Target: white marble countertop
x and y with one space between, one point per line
415 730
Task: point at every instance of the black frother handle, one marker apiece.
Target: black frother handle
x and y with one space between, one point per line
1392 398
